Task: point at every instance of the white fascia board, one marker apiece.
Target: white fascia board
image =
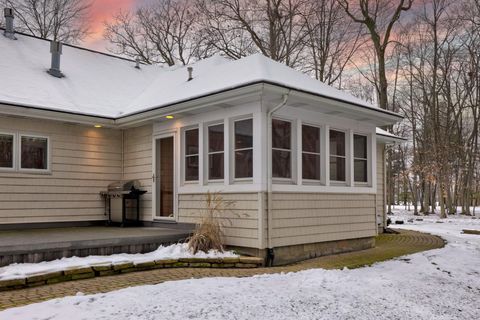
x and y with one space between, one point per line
189 105
382 117
38 113
389 138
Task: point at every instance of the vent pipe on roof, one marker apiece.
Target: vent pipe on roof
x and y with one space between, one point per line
190 73
137 63
56 50
9 30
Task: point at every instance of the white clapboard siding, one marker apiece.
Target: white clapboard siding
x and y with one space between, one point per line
138 164
240 224
380 197
299 218
84 161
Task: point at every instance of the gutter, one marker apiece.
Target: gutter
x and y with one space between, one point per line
390 140
158 111
270 252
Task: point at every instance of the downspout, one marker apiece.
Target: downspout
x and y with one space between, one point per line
270 252
123 154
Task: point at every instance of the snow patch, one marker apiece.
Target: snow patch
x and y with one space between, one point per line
175 251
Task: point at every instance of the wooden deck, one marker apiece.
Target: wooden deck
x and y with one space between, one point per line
34 245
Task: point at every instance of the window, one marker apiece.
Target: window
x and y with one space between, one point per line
6 150
337 155
215 152
281 149
360 158
243 148
191 155
310 152
33 153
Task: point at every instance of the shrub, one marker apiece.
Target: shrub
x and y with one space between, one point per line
208 234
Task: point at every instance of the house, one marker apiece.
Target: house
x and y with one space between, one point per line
302 161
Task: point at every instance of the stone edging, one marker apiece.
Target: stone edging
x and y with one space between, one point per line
101 270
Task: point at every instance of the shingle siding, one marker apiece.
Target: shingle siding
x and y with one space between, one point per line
84 161
300 218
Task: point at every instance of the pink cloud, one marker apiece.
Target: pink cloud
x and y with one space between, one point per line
103 11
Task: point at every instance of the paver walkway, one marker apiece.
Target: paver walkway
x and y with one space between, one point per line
387 247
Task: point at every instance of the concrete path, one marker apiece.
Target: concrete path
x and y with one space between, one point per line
388 246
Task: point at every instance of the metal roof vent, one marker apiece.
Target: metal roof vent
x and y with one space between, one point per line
56 50
137 63
190 73
9 29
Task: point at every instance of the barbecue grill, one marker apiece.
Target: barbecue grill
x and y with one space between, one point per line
117 196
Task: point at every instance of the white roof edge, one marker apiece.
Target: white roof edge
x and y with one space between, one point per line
365 107
119 119
55 115
281 86
385 136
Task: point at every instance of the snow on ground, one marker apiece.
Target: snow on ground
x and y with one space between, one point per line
432 223
437 284
173 251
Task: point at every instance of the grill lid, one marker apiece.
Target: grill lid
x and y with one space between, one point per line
119 186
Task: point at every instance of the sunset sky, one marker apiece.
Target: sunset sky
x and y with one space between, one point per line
101 11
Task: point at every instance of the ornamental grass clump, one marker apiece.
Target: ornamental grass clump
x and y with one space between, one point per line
208 234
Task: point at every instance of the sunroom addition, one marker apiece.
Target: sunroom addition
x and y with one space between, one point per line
226 150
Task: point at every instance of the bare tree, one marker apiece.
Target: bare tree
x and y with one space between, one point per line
164 32
438 93
60 20
360 87
332 40
276 28
470 15
379 17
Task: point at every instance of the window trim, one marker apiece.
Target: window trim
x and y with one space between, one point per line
339 182
208 153
367 160
19 153
234 150
184 155
293 151
319 154
14 151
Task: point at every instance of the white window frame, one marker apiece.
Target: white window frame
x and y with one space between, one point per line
19 153
14 151
208 153
347 164
361 183
234 150
319 154
184 155
293 151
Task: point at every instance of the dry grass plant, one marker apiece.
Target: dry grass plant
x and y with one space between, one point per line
208 234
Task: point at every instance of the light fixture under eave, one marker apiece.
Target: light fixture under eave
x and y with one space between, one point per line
169 117
98 126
